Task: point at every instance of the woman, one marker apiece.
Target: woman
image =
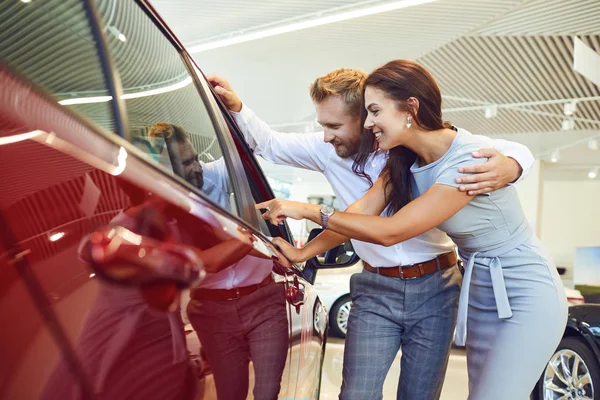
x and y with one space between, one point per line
514 297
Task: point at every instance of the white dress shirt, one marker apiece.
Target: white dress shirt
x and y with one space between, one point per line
249 270
309 151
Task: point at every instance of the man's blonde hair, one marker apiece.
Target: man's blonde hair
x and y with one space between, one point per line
347 83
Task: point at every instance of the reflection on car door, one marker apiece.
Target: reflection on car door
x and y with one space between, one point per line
82 336
307 316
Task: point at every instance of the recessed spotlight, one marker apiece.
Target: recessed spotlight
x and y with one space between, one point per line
298 179
593 144
555 156
570 108
593 173
491 111
25 1
117 33
56 236
568 124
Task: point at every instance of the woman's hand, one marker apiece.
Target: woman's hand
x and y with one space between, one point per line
278 210
292 253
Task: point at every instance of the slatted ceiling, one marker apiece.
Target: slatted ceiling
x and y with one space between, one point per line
370 40
514 69
145 45
506 122
34 40
26 181
548 17
195 20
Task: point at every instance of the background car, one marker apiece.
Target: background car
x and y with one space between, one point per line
573 372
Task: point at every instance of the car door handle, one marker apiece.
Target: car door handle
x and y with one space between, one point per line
119 255
295 294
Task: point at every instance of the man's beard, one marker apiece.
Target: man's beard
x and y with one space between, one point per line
196 179
344 150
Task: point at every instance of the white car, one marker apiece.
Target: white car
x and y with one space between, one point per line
333 286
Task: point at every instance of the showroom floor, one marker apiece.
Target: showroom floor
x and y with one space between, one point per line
455 385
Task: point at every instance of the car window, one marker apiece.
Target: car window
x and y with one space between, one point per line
167 118
43 38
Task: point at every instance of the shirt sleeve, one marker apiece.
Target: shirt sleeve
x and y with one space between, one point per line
216 182
519 152
303 150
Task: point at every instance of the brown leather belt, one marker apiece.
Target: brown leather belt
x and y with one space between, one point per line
229 294
416 270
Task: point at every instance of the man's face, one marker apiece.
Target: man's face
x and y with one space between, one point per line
192 169
342 130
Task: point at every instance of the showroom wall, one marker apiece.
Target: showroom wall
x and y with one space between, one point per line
570 219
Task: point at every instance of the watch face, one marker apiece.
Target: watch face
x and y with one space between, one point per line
327 210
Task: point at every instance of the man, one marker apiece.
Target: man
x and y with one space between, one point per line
238 311
388 311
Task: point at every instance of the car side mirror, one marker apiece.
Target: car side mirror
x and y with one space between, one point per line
339 257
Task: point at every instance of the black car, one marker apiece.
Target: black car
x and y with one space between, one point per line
573 372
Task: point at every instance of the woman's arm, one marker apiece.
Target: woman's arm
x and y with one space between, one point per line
372 203
429 210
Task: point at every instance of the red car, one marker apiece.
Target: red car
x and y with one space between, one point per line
133 263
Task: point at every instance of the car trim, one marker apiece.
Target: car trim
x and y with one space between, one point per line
111 75
577 325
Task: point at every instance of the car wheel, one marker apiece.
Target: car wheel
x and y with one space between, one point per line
572 373
338 316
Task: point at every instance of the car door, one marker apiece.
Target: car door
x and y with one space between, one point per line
308 317
90 316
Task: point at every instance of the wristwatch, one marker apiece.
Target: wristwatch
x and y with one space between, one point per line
326 213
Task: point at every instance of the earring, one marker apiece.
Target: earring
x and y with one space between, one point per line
408 121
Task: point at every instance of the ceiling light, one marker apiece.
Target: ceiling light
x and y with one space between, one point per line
491 111
18 138
568 124
593 144
85 100
298 179
92 275
117 33
593 173
56 236
146 93
152 92
121 162
555 156
25 1
308 21
570 108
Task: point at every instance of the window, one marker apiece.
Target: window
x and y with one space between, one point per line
167 118
51 44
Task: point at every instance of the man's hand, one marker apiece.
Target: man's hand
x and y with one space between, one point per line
492 175
225 92
278 210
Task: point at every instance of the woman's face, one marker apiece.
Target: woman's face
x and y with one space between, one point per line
384 120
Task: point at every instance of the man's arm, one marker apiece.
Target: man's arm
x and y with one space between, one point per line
308 151
508 162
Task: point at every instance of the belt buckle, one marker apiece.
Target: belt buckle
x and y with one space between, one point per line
402 273
237 295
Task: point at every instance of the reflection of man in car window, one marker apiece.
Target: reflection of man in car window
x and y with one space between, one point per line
211 178
238 311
